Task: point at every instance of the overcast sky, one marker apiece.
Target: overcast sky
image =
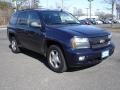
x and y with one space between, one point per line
82 4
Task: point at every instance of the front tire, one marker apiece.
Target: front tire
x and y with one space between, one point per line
14 45
56 59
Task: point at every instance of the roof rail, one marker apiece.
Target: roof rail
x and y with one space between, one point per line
26 9
41 9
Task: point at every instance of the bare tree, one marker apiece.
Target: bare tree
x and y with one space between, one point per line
118 9
78 12
24 4
58 5
112 3
17 4
104 16
35 3
5 12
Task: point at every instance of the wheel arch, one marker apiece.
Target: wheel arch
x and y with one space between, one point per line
10 35
53 42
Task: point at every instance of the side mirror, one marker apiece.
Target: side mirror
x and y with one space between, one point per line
36 24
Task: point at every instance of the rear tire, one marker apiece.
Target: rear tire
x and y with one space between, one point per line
14 46
56 60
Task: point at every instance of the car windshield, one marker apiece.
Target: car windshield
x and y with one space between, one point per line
58 17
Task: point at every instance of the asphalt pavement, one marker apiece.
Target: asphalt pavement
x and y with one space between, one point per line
29 71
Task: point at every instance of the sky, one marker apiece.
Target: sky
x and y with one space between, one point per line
81 4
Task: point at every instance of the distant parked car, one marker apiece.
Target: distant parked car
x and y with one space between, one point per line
114 21
99 22
118 21
85 22
102 20
107 21
92 21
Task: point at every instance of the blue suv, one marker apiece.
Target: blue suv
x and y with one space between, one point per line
60 37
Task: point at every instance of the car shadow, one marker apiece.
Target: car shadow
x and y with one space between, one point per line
81 67
36 56
43 60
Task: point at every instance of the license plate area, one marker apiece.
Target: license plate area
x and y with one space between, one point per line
105 54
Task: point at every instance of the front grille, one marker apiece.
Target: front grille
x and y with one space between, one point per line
99 42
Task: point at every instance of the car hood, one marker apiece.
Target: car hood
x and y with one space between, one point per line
81 30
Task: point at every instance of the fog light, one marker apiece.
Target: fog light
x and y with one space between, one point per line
81 58
109 43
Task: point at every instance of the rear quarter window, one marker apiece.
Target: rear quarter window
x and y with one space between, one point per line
22 18
13 19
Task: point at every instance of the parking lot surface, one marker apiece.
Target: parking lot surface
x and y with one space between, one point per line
28 71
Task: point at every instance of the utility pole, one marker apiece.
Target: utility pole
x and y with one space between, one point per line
62 4
30 3
47 3
87 11
90 6
15 5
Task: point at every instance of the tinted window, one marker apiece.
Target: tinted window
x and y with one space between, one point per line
34 17
13 19
57 17
22 18
51 17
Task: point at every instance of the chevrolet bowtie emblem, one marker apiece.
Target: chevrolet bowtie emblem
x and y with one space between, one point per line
102 41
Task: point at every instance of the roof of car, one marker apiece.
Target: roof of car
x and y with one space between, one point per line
42 9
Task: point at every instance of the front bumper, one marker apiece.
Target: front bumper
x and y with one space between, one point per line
92 56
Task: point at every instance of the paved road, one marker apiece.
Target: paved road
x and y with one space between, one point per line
117 26
28 71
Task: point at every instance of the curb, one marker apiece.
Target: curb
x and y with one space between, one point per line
3 28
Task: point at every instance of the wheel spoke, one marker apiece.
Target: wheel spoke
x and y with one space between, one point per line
56 65
13 45
54 59
52 53
57 59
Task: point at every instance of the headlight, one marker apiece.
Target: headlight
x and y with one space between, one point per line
80 43
109 37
